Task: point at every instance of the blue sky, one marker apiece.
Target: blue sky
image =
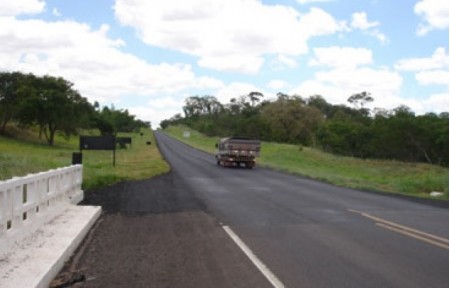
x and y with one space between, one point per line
148 56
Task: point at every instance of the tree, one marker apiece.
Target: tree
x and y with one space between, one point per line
197 106
255 97
11 85
54 106
110 121
320 103
291 120
341 129
345 136
360 99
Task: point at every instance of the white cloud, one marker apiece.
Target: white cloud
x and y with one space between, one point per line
56 12
376 81
247 64
17 7
159 108
436 102
434 15
337 84
380 36
154 115
277 85
283 62
349 73
313 1
334 95
438 60
317 22
204 82
341 57
359 21
433 77
165 102
226 35
237 89
340 82
429 70
92 61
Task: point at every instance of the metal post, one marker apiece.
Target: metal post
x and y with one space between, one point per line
114 152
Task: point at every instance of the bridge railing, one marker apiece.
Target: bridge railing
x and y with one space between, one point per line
26 203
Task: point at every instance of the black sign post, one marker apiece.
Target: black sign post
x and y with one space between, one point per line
123 141
107 142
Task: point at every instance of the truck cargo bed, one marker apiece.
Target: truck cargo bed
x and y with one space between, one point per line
234 151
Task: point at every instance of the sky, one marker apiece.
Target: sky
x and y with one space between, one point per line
148 56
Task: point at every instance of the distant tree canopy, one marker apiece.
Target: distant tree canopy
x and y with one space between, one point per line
358 132
54 106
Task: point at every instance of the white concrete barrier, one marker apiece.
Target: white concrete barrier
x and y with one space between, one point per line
27 203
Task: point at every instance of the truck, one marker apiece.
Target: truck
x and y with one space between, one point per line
237 151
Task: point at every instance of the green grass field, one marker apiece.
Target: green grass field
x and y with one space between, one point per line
26 153
414 179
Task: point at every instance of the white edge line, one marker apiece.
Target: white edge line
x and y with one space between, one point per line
258 263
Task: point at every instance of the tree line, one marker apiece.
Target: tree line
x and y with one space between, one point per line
351 131
52 104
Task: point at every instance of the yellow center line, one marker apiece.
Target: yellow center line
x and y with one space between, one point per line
436 243
414 233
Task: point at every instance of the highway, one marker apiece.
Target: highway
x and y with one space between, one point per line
313 234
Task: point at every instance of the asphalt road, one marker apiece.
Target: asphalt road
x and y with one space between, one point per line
312 234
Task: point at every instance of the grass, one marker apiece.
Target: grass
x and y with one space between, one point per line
413 179
26 154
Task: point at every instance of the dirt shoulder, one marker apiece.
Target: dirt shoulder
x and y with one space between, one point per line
155 233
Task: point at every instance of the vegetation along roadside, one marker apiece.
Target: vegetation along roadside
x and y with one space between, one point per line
413 179
416 146
41 118
26 153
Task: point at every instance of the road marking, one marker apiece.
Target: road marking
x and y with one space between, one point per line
414 233
276 283
436 243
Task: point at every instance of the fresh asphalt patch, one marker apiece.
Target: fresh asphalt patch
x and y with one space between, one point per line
156 233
